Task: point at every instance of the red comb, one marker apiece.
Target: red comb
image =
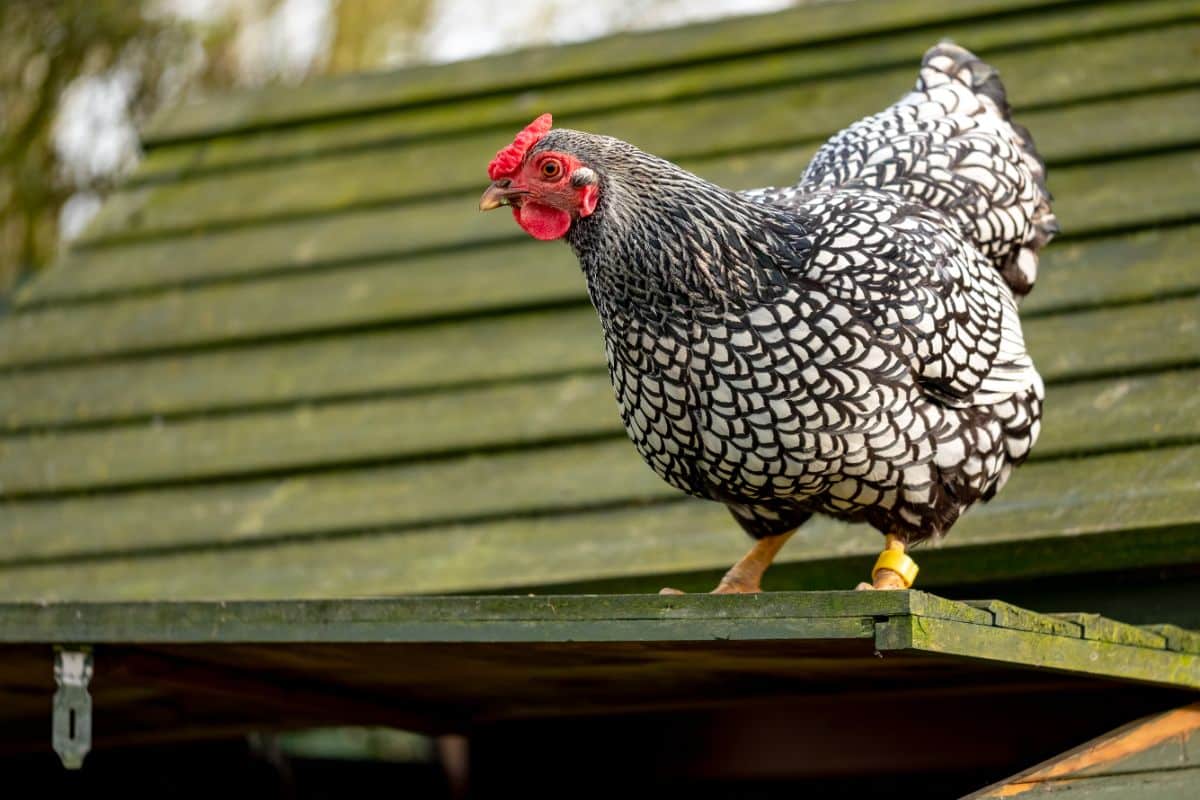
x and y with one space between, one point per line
508 159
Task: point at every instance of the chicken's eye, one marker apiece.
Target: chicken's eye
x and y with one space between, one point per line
551 169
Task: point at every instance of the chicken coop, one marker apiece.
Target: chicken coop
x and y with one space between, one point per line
293 438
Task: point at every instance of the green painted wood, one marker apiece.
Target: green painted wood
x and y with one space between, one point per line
1132 337
599 106
1080 418
797 113
1101 271
355 533
603 60
931 625
1107 630
416 618
1177 638
1093 198
1107 270
389 361
369 621
1006 615
1167 784
1048 652
1103 196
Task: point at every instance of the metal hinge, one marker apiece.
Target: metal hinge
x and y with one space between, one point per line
71 730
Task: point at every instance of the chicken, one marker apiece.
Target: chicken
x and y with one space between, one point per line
848 345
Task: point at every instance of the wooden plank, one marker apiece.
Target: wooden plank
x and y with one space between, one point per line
1006 615
1100 271
1152 190
1133 349
1181 784
817 616
358 533
1131 412
806 113
1043 651
603 59
596 105
1119 194
1177 638
1108 270
390 361
440 619
1144 749
1103 629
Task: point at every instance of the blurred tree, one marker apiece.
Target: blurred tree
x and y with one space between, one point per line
77 79
370 33
44 46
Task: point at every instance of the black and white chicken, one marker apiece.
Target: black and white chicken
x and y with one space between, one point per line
848 345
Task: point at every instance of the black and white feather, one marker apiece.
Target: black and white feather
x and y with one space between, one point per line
848 345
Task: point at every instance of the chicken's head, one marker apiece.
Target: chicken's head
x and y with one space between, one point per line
547 190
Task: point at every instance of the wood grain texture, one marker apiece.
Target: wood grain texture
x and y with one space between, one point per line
798 113
1103 271
1081 418
387 532
1046 652
595 60
1152 188
604 100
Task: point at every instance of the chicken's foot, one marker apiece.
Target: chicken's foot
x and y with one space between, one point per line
745 577
894 569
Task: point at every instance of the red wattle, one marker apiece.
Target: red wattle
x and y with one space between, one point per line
542 221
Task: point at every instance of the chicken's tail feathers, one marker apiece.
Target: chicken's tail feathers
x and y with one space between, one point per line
1017 265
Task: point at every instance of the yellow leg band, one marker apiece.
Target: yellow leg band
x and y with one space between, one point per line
899 563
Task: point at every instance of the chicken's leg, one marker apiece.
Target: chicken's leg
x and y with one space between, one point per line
745 577
894 569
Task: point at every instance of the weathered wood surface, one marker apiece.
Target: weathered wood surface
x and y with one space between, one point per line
1106 630
400 531
1178 638
1103 271
1152 757
1136 411
897 623
603 61
1046 652
1006 615
604 103
1091 198
781 116
294 361
500 278
439 664
450 619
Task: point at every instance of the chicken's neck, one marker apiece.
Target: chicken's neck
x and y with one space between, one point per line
680 244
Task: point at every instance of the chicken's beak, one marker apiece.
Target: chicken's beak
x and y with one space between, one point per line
500 193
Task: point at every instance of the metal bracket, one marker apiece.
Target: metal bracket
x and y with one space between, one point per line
71 730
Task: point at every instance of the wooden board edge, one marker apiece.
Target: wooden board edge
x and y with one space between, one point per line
1039 651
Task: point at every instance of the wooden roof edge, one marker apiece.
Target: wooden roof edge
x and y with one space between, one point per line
622 53
1129 749
902 621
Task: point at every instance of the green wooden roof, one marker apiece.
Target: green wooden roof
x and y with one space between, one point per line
290 359
197 669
